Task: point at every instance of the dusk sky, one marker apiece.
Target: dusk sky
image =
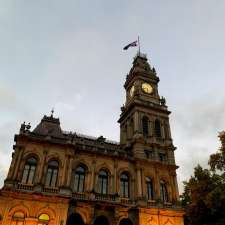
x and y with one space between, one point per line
69 55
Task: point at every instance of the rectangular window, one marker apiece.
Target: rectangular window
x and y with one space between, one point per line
31 175
162 157
54 177
48 178
148 154
25 174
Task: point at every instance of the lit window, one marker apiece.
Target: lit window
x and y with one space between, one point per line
29 171
149 185
52 173
43 219
124 185
103 182
79 178
18 218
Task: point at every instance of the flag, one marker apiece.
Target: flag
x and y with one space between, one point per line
132 44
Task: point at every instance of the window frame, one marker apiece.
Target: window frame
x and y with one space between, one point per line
124 185
145 126
78 177
157 128
29 171
52 174
103 182
164 195
150 188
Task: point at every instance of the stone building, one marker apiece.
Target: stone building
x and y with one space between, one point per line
66 178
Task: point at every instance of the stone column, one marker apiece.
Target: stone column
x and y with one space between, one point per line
143 183
115 179
93 175
68 180
65 170
139 183
132 190
162 129
18 163
136 122
174 186
41 166
44 167
156 184
12 166
151 128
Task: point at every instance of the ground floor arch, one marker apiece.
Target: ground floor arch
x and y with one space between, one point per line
101 220
75 219
125 221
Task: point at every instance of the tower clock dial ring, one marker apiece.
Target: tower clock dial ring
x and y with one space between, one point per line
147 88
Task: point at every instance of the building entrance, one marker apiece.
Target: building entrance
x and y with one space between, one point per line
101 220
75 219
126 222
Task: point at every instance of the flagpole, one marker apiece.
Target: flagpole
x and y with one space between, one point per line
139 46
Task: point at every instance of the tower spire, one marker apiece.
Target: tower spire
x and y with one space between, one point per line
139 46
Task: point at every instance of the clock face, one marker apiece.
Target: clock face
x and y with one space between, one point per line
147 88
132 91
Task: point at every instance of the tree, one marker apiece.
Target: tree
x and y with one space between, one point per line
217 160
204 193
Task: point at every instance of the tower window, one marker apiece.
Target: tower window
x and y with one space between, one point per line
145 126
103 182
52 173
29 171
163 192
157 128
162 157
124 185
149 185
79 179
148 154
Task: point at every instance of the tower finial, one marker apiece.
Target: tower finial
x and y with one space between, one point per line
52 112
139 46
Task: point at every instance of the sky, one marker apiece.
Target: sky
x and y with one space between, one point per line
68 55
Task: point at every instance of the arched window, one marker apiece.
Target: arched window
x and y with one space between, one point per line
43 219
52 173
29 171
149 185
103 182
163 191
124 185
157 128
79 179
18 218
145 126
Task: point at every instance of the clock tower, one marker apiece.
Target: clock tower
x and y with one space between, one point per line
144 123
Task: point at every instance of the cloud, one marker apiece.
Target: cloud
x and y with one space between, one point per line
196 125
